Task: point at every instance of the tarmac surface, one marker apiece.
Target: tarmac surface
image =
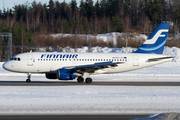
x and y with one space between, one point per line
71 117
80 117
42 83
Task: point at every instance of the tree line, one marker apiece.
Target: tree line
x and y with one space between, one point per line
27 20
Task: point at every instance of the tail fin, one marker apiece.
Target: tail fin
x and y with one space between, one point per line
156 41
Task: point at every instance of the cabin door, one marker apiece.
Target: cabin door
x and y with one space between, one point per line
29 60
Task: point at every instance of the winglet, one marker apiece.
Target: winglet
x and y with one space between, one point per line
156 41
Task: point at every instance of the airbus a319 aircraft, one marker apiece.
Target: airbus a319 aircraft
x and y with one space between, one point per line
69 66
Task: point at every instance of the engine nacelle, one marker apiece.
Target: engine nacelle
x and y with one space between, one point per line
66 74
51 75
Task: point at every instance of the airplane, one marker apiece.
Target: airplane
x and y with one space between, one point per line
69 66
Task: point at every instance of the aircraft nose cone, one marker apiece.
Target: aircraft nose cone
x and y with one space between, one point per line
4 66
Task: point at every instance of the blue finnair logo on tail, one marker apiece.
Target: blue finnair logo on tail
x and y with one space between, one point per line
156 36
156 41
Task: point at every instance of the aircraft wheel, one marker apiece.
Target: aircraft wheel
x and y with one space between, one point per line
80 79
88 80
28 80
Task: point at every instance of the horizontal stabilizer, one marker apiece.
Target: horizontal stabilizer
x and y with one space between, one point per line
158 59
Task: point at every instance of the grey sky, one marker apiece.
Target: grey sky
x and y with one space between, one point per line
10 3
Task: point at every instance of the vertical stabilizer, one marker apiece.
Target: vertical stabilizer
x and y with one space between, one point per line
156 41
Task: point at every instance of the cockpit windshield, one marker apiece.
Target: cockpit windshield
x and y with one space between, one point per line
12 59
15 59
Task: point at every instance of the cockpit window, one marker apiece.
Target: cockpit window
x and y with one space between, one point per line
12 59
15 59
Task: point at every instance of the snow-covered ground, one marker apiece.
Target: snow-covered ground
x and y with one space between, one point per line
93 99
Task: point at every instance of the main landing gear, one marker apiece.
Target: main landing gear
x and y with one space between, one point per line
28 80
88 80
81 80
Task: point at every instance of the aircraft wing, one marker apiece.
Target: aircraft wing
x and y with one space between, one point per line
90 68
96 66
158 59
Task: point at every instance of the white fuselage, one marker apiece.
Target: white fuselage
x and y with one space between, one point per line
45 62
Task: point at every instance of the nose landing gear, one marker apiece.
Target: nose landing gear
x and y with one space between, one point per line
28 80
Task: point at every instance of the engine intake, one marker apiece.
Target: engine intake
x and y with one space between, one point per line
66 74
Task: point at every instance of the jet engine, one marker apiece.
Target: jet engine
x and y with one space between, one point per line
51 75
66 74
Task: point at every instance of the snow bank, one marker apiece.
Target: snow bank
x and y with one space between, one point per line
173 51
108 37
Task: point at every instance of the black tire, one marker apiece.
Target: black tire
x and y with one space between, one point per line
88 80
80 79
28 80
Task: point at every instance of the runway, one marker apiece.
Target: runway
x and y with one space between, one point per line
74 83
72 117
